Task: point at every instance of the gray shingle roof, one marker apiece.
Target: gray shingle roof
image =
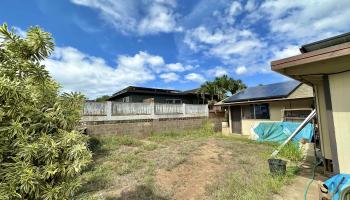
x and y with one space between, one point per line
271 91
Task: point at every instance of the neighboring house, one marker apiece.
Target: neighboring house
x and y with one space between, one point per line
286 101
325 65
134 94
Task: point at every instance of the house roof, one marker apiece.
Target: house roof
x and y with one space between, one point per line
264 92
328 42
154 91
337 47
193 91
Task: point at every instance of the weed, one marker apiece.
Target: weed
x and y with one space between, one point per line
150 146
176 162
96 179
128 163
251 186
204 132
122 161
291 152
127 141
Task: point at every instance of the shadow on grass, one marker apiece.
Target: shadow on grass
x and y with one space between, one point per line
141 192
94 144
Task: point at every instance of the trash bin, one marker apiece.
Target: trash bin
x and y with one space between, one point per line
277 166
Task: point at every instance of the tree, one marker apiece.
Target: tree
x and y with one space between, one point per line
102 98
235 86
221 86
222 83
41 152
208 88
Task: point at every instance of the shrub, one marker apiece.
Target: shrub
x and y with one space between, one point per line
41 152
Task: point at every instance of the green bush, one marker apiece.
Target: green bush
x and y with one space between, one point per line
41 152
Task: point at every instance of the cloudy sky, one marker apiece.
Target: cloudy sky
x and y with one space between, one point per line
105 45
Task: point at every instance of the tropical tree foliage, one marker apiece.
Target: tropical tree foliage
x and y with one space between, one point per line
102 98
41 152
221 86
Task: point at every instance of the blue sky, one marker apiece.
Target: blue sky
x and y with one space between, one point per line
105 45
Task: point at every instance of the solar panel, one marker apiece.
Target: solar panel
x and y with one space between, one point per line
276 90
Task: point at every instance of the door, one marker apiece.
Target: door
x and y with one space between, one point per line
236 119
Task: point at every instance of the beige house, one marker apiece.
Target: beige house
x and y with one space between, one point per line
325 65
286 101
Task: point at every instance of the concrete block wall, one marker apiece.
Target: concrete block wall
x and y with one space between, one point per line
142 128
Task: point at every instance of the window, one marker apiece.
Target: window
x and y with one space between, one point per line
256 111
173 101
262 111
248 112
125 99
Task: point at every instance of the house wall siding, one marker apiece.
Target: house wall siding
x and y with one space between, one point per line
303 91
275 113
340 95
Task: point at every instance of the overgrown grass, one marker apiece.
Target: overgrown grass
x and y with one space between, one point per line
150 146
254 185
109 161
207 130
291 152
124 160
128 163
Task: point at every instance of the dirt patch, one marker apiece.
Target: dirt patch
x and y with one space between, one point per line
189 179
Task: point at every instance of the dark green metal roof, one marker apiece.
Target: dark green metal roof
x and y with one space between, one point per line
332 41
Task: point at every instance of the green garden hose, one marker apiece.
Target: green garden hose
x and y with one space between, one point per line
312 179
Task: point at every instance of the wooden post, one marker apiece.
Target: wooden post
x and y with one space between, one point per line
229 119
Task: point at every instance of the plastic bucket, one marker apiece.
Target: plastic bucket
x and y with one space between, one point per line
277 166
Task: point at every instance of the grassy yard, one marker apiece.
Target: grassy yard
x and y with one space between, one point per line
186 165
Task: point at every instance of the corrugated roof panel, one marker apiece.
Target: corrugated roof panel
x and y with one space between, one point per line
276 90
328 42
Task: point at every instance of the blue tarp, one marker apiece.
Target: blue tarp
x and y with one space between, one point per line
280 131
333 182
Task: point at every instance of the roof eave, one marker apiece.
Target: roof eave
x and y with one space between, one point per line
313 56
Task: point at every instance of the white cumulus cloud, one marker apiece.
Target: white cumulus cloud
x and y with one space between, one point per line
252 33
141 17
195 77
241 70
223 43
307 20
169 77
288 51
217 71
93 76
178 67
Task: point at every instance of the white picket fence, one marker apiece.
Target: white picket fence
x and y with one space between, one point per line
109 111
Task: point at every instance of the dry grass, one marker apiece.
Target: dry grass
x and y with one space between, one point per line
126 168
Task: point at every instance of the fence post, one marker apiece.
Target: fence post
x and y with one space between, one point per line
184 109
153 111
109 110
206 110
